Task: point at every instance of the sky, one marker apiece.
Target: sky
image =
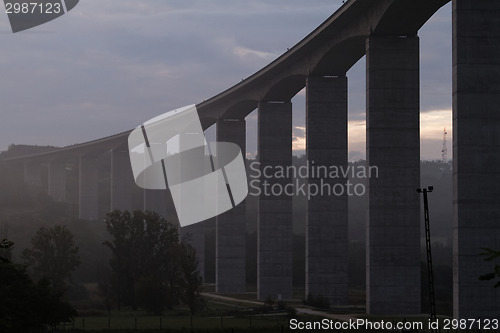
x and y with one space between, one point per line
109 65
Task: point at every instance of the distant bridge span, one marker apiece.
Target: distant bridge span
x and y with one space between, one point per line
386 32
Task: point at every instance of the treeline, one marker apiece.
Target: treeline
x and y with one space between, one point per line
23 150
132 259
27 303
150 266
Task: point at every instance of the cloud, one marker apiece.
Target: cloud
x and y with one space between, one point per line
246 54
432 126
299 139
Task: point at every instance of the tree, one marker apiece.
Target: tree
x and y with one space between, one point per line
490 256
27 306
143 246
190 281
5 247
53 255
104 287
150 294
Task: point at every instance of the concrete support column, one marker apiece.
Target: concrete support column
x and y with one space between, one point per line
230 234
88 188
326 224
156 201
188 142
393 146
122 181
274 227
57 180
476 155
32 173
195 233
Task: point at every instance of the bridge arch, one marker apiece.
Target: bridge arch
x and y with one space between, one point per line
240 109
340 57
405 17
285 88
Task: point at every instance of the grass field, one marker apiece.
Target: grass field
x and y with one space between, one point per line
216 316
178 323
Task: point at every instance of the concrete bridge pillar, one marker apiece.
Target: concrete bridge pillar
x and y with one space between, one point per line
230 234
274 228
122 181
183 143
393 146
57 180
32 173
88 188
156 201
326 224
476 155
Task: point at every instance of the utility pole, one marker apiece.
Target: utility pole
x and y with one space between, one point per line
430 273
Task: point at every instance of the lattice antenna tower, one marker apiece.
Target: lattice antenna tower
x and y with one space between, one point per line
444 150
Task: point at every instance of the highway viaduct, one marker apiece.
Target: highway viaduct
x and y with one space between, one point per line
386 31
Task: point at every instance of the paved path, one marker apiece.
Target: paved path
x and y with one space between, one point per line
231 299
342 317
